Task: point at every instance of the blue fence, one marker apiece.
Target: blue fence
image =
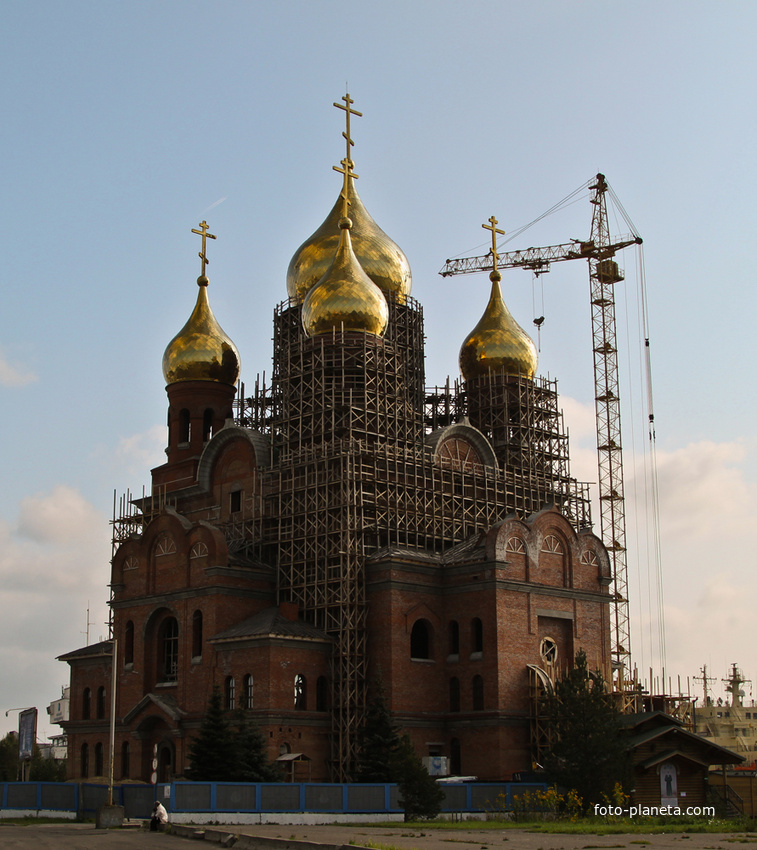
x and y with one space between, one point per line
227 797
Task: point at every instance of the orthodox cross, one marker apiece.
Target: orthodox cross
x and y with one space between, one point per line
348 111
493 227
204 233
346 169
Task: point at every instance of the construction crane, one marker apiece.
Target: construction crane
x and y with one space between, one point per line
604 272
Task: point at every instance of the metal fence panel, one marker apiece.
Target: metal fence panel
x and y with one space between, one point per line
235 798
193 796
22 795
455 798
366 798
137 800
55 795
484 797
92 797
279 798
323 798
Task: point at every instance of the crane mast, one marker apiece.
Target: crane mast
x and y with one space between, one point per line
604 273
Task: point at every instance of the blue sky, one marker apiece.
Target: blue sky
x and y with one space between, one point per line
125 124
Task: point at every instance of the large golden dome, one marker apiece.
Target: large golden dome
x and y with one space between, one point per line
201 351
345 297
498 343
383 260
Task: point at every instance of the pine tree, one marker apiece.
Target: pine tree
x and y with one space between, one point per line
211 753
378 743
9 758
588 754
251 763
420 795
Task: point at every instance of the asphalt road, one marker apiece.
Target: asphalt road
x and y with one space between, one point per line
83 836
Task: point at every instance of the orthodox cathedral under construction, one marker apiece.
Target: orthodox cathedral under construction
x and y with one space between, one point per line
344 526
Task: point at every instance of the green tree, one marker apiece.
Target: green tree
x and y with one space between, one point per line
9 758
211 753
378 743
46 770
587 754
251 758
420 795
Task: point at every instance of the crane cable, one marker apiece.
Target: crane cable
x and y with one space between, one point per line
654 476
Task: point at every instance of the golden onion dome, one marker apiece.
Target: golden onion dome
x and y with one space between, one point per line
201 351
382 259
345 297
498 343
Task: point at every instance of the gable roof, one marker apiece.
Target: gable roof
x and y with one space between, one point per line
103 648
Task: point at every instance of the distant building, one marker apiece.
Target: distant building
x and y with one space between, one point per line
344 524
58 710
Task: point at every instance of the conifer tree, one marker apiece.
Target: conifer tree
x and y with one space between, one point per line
587 754
211 753
420 795
378 743
252 763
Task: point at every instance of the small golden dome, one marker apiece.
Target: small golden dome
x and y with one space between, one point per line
498 343
382 260
345 297
201 351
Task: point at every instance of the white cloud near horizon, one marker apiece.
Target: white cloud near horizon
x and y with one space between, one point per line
12 375
54 563
706 508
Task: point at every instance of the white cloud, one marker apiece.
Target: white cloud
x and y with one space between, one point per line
54 562
14 376
142 451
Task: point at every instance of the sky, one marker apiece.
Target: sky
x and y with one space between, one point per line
123 125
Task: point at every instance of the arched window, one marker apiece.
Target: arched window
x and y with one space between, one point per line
129 643
454 757
249 691
98 759
197 634
100 702
420 640
453 632
454 694
168 648
478 693
476 635
207 425
125 754
84 766
300 693
184 425
86 704
230 690
321 694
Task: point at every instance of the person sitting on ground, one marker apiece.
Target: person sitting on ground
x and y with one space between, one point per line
159 817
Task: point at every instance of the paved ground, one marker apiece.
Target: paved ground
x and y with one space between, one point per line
85 837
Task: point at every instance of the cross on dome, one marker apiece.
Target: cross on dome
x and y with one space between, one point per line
493 227
204 233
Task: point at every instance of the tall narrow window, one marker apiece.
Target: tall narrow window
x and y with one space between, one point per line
84 766
477 635
231 693
125 756
478 693
249 691
129 643
235 501
98 759
207 425
184 430
321 694
86 704
197 634
420 640
454 637
300 693
454 694
100 703
169 649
